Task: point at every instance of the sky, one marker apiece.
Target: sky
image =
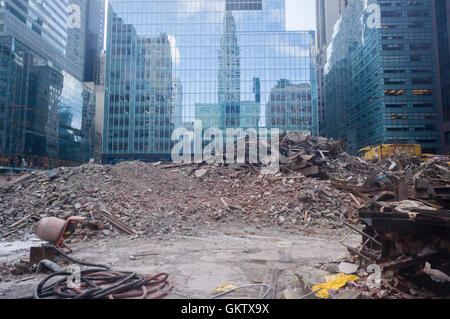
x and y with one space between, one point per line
300 15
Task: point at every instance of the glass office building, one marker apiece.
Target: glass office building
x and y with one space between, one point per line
170 62
442 24
94 39
42 98
380 77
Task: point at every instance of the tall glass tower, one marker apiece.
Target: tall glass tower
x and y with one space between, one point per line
43 102
218 61
380 76
229 81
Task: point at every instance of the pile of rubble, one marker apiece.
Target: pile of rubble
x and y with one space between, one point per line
147 199
405 216
139 195
318 186
403 204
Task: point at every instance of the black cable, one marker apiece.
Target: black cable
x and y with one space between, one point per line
121 283
59 252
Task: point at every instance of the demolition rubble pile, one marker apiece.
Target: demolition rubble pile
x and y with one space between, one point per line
138 198
146 199
402 203
318 187
404 211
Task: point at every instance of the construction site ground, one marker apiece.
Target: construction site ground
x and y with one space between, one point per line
197 265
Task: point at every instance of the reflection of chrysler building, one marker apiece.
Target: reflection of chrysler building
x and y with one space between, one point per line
229 76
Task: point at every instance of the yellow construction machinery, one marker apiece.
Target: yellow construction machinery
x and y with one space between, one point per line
377 153
380 152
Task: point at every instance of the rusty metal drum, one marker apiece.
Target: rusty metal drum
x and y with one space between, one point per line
50 229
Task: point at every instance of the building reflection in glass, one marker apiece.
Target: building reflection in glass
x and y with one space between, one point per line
219 61
40 111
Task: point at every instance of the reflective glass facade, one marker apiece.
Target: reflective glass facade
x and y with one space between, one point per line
229 63
40 110
43 101
380 80
51 28
95 28
442 23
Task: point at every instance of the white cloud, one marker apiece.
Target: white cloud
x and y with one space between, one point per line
174 50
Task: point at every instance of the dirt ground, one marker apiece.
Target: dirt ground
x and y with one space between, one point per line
196 265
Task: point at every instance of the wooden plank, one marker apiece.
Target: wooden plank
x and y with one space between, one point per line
359 194
354 199
353 250
322 155
20 221
362 233
118 223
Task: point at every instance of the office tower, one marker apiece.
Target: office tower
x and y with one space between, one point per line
290 105
140 83
94 38
441 15
380 76
76 36
225 55
39 25
158 63
327 14
229 75
100 69
41 108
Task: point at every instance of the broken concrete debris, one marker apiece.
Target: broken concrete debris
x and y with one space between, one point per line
348 268
179 201
399 206
405 227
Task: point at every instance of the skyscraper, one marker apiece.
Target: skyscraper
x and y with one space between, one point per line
290 105
225 56
441 17
327 14
42 95
229 75
380 76
76 10
95 28
39 25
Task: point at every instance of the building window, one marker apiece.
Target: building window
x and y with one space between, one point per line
394 92
422 92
